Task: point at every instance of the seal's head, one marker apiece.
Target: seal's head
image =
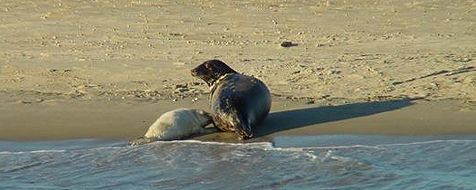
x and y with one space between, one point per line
211 70
204 118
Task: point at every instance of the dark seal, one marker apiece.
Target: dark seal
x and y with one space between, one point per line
240 102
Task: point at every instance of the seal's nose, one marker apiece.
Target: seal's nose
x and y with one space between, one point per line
193 72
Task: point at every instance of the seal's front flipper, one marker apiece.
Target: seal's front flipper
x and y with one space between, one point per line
141 141
209 130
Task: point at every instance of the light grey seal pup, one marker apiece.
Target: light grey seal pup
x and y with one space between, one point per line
177 124
239 102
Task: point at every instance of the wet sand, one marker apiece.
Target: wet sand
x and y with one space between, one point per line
127 120
107 69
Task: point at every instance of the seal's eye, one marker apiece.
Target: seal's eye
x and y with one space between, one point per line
205 69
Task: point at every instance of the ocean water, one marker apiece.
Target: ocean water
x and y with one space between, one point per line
317 162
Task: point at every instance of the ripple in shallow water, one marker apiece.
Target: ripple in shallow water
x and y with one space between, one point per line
428 163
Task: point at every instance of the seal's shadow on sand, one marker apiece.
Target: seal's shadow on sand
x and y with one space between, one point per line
292 119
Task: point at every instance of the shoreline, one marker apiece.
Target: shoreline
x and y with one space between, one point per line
108 69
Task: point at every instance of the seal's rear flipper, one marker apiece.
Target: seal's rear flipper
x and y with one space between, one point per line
242 126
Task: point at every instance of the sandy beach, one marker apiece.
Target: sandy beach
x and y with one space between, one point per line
113 120
108 69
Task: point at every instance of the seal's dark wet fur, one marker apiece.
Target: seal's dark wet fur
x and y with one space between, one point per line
211 70
239 102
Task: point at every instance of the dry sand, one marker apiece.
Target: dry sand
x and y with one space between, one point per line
74 69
